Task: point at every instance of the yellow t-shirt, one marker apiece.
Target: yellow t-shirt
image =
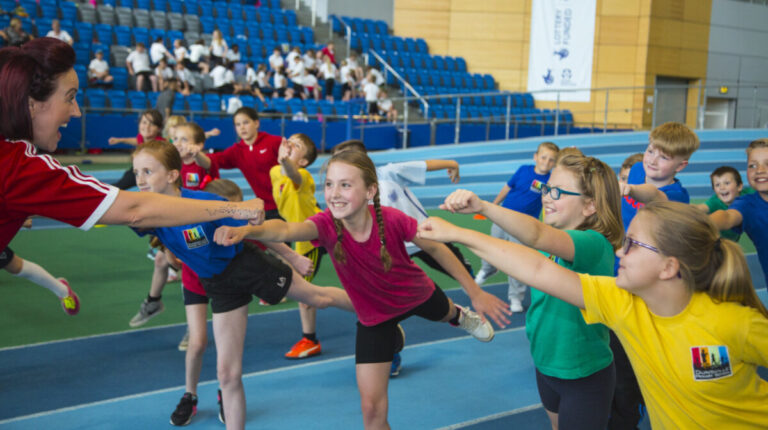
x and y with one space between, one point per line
294 205
697 369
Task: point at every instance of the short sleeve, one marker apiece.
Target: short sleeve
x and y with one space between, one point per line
756 343
513 180
713 203
589 249
407 173
636 174
326 231
604 301
405 226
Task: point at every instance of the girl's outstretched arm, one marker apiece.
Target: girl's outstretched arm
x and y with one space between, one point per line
273 230
527 265
484 303
302 264
527 229
726 219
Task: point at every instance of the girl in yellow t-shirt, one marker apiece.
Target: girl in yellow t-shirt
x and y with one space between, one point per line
685 311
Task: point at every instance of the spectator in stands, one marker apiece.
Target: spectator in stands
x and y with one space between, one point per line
223 79
310 85
329 52
378 77
386 107
276 60
354 65
295 52
58 33
371 91
218 48
198 57
167 97
348 81
329 72
180 52
163 72
262 80
98 71
281 85
138 66
14 35
233 54
296 72
184 77
158 51
310 63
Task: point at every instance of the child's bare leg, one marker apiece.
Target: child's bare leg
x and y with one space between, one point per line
159 276
319 297
308 316
198 339
372 382
229 334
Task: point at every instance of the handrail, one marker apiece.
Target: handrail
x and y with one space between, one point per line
407 85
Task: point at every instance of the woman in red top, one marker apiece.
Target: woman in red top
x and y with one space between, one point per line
254 155
38 85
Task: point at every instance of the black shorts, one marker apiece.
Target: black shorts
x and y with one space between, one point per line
251 273
376 344
6 257
316 255
583 403
192 298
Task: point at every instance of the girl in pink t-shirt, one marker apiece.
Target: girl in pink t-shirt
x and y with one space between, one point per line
383 283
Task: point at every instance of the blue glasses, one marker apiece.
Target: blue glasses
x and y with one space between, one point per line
628 242
556 192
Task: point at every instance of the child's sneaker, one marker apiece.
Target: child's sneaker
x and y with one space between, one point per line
147 311
184 344
173 275
396 365
185 410
515 306
304 348
221 408
70 303
483 275
471 322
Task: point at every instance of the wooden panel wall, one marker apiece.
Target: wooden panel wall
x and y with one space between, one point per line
635 40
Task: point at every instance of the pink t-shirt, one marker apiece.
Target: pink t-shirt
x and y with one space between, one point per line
377 295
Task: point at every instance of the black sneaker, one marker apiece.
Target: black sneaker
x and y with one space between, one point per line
185 410
221 408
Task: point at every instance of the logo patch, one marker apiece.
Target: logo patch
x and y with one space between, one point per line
195 237
281 281
193 179
536 186
710 362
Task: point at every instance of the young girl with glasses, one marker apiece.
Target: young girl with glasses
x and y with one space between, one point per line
581 229
682 305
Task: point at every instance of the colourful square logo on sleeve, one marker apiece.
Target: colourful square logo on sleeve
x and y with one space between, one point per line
710 362
195 237
193 179
536 186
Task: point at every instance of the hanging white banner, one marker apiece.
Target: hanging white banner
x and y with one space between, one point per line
562 39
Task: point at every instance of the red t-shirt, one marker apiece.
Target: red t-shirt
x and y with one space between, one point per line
195 177
254 161
140 139
377 295
36 184
330 54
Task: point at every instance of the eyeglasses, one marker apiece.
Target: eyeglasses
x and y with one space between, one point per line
556 192
628 242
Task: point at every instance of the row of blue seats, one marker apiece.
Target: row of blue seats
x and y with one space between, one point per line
359 25
293 33
499 113
425 78
423 62
518 101
191 6
120 75
389 43
46 9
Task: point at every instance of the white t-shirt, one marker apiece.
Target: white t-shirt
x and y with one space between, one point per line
291 55
276 61
232 56
180 53
328 71
222 76
344 74
166 73
61 35
184 75
98 66
371 91
309 80
262 80
309 61
385 105
394 179
157 51
378 76
218 47
196 52
296 70
139 61
250 76
280 81
352 63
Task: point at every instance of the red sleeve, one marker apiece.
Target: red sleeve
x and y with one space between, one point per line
403 225
34 184
326 230
226 159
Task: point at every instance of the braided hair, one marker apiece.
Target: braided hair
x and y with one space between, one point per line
361 161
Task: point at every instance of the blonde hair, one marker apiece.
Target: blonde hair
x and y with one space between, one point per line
708 263
362 162
758 143
674 139
632 160
171 122
597 181
570 150
548 145
165 153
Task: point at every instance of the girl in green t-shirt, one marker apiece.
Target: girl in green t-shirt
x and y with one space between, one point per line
581 229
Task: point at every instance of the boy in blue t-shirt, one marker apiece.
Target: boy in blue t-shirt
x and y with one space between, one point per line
749 213
521 194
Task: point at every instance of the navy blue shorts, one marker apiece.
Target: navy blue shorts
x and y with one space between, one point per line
192 298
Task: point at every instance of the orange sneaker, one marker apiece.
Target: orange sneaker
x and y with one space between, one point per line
71 303
303 349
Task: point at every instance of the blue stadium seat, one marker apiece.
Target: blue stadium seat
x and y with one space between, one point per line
381 28
461 64
439 62
251 14
421 46
83 32
82 74
104 34
195 102
280 105
308 35
208 23
179 103
290 17
141 34
122 35
49 9
410 44
488 82
205 7
138 99
120 74
95 98
152 98
212 102
191 7
154 33
450 64
117 99
142 4
176 6
68 11
162 5
221 9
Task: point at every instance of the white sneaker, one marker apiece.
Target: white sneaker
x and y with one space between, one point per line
483 276
515 305
471 322
173 275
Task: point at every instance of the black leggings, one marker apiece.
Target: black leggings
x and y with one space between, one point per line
127 181
627 398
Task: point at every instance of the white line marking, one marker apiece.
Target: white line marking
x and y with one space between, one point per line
492 417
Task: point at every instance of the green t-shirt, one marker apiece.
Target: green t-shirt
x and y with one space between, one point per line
562 344
715 204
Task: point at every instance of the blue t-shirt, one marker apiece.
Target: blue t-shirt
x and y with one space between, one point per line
754 213
193 243
522 196
675 193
